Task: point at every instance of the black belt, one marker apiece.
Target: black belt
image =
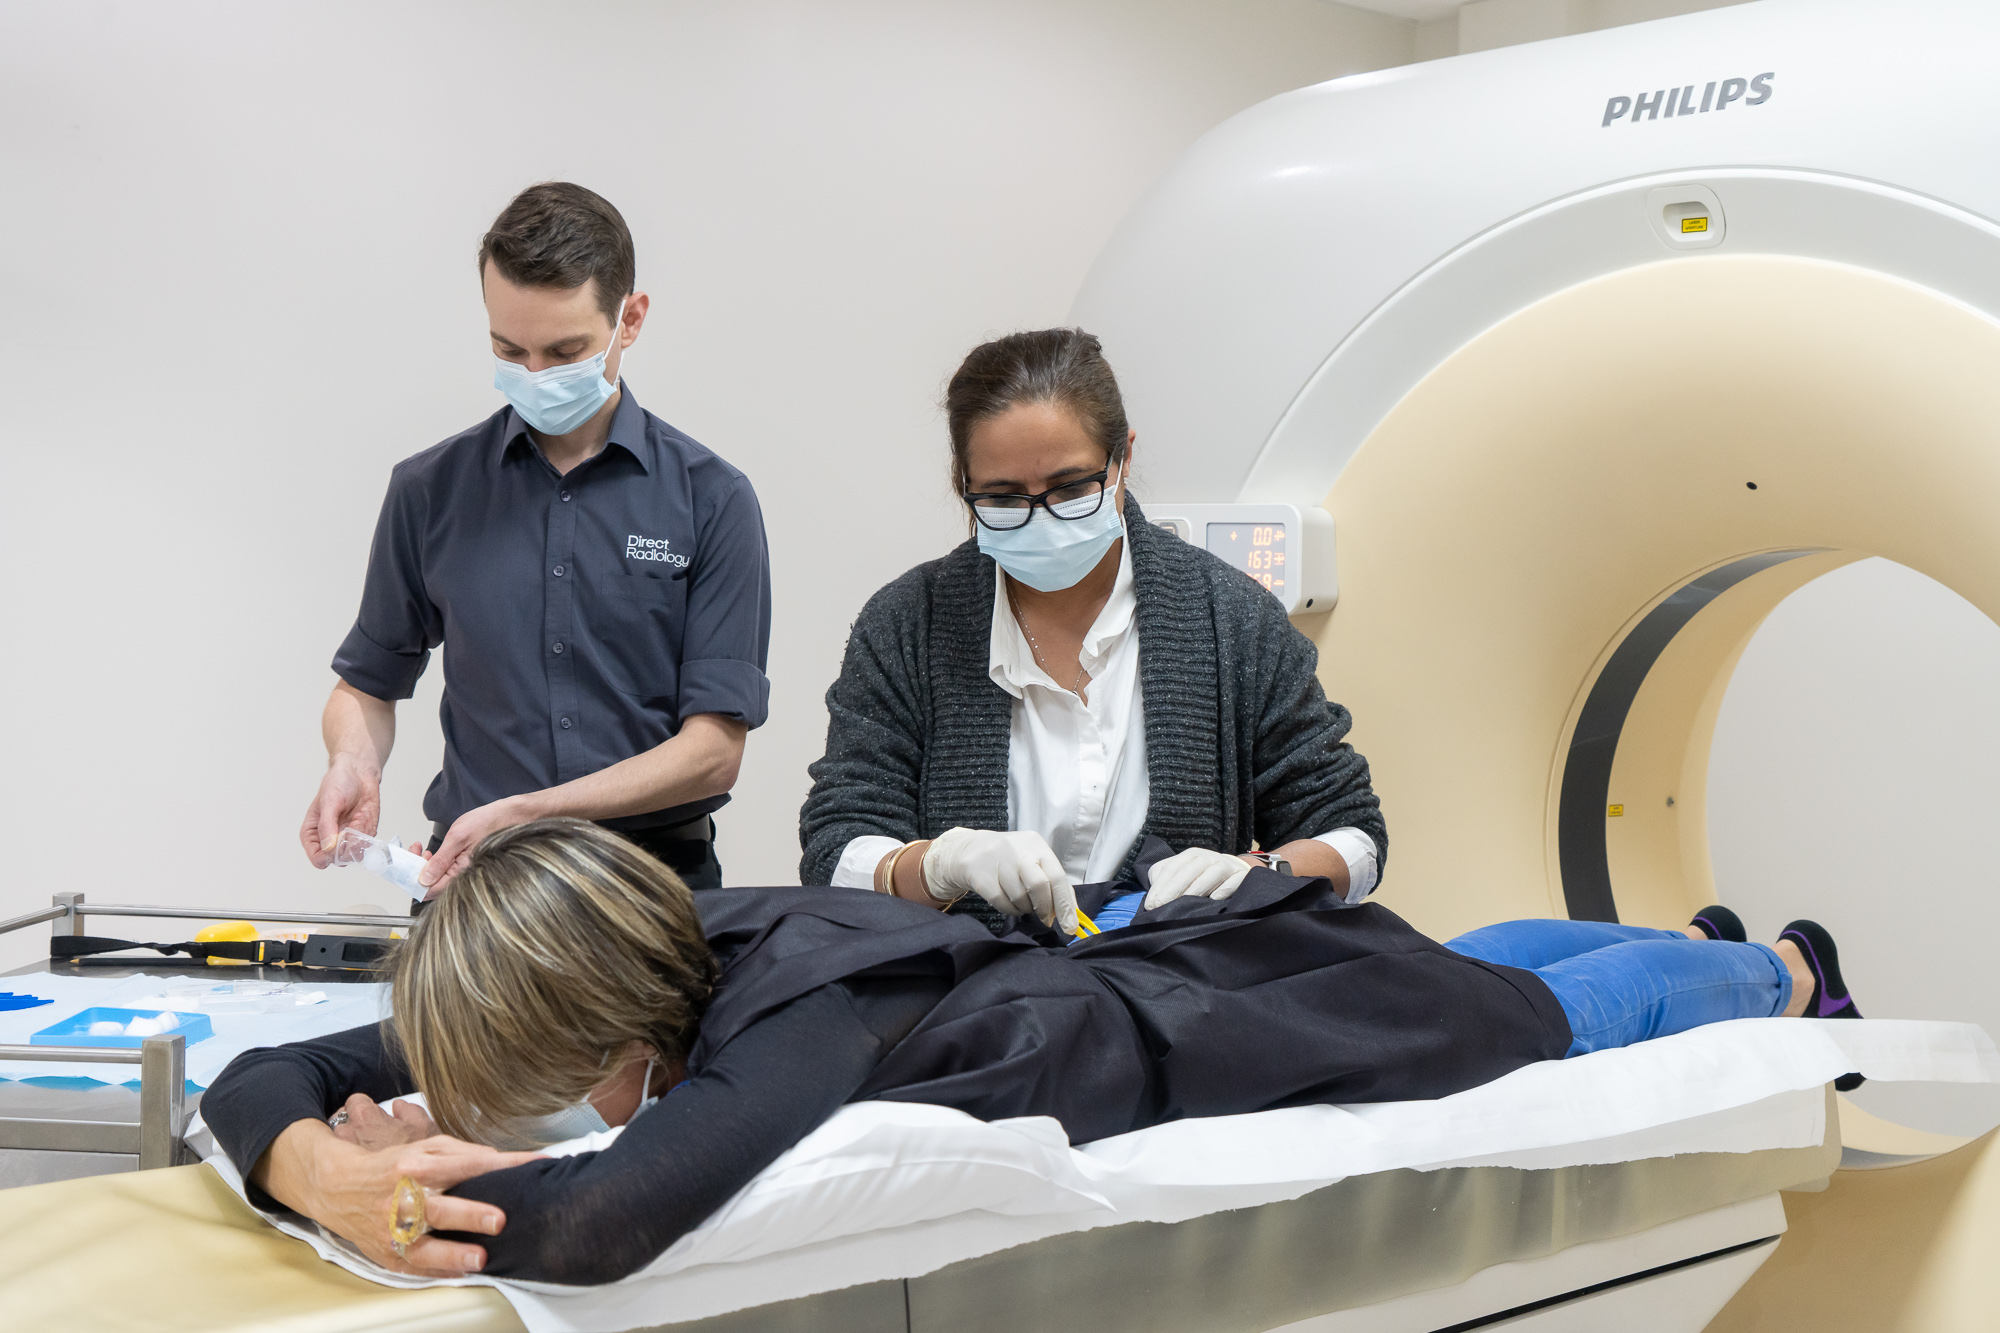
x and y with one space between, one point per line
699 829
352 952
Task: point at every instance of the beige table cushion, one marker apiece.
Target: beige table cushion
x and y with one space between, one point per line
170 1250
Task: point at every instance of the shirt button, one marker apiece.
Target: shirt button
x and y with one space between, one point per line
559 646
565 724
558 571
565 497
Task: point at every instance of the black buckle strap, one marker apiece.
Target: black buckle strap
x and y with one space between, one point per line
348 952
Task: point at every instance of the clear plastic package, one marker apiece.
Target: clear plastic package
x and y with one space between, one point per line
234 997
399 865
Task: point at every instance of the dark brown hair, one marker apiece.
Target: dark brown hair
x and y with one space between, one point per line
560 235
1061 366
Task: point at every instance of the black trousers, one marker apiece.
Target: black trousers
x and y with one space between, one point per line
693 859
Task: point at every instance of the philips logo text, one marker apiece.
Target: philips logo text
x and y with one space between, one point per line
654 548
1670 102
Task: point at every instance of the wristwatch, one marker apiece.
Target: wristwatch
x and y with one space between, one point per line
1272 861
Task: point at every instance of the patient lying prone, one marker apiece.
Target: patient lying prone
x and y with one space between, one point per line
567 983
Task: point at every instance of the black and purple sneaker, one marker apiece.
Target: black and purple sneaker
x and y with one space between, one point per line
1719 923
1830 998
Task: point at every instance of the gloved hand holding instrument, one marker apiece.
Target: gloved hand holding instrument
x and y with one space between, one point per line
1016 872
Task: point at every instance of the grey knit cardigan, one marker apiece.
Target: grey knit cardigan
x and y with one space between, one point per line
1241 742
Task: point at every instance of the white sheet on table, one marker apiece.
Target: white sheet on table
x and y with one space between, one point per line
347 1005
887 1190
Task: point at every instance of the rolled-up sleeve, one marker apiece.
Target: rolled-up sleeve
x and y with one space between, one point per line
1307 779
728 629
391 642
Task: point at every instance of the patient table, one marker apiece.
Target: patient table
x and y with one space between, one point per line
1635 1188
1369 1250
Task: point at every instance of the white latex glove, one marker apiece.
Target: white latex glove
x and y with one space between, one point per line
1197 872
1016 872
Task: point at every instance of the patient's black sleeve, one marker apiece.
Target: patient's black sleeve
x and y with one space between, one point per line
266 1090
597 1217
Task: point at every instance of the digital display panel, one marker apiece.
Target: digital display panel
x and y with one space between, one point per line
1258 549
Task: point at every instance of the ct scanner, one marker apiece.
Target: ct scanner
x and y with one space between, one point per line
1450 304
1556 367
1592 363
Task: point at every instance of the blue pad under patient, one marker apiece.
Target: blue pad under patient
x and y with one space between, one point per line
1116 912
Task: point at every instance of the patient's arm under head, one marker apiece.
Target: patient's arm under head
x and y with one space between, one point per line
268 1089
597 1217
268 1110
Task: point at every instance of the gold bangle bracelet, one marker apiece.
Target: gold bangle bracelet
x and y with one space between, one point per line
889 874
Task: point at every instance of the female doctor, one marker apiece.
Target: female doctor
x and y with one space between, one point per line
1016 716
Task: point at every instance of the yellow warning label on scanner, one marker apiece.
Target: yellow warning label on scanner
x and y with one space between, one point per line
1694 224
1613 811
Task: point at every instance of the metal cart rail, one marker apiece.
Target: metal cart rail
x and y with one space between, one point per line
154 1139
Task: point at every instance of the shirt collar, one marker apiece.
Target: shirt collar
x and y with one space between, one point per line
628 430
1011 661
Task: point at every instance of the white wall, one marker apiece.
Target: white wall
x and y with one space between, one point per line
1444 29
236 285
1855 779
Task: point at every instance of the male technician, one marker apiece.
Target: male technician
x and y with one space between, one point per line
599 582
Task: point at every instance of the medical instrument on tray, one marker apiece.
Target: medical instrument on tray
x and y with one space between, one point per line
235 997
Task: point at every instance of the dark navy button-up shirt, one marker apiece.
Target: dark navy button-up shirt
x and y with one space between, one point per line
582 616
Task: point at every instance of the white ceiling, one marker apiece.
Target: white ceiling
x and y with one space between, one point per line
1421 10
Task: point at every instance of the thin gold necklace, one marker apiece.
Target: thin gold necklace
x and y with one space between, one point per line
1036 648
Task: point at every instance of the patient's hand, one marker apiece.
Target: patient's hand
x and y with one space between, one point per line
350 1190
369 1126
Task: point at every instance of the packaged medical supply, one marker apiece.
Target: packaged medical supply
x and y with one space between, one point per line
399 865
237 997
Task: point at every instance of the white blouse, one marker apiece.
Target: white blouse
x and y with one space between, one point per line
1076 768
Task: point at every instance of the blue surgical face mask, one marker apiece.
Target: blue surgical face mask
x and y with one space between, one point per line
558 399
532 1132
1050 554
572 1122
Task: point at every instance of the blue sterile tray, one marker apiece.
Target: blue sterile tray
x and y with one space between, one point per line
75 1030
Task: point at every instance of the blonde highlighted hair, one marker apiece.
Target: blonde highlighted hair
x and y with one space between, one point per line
522 983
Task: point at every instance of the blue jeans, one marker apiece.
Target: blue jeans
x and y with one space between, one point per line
1626 984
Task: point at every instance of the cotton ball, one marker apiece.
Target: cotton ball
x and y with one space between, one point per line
143 1027
107 1028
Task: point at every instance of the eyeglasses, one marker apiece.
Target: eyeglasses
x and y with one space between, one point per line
1004 513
